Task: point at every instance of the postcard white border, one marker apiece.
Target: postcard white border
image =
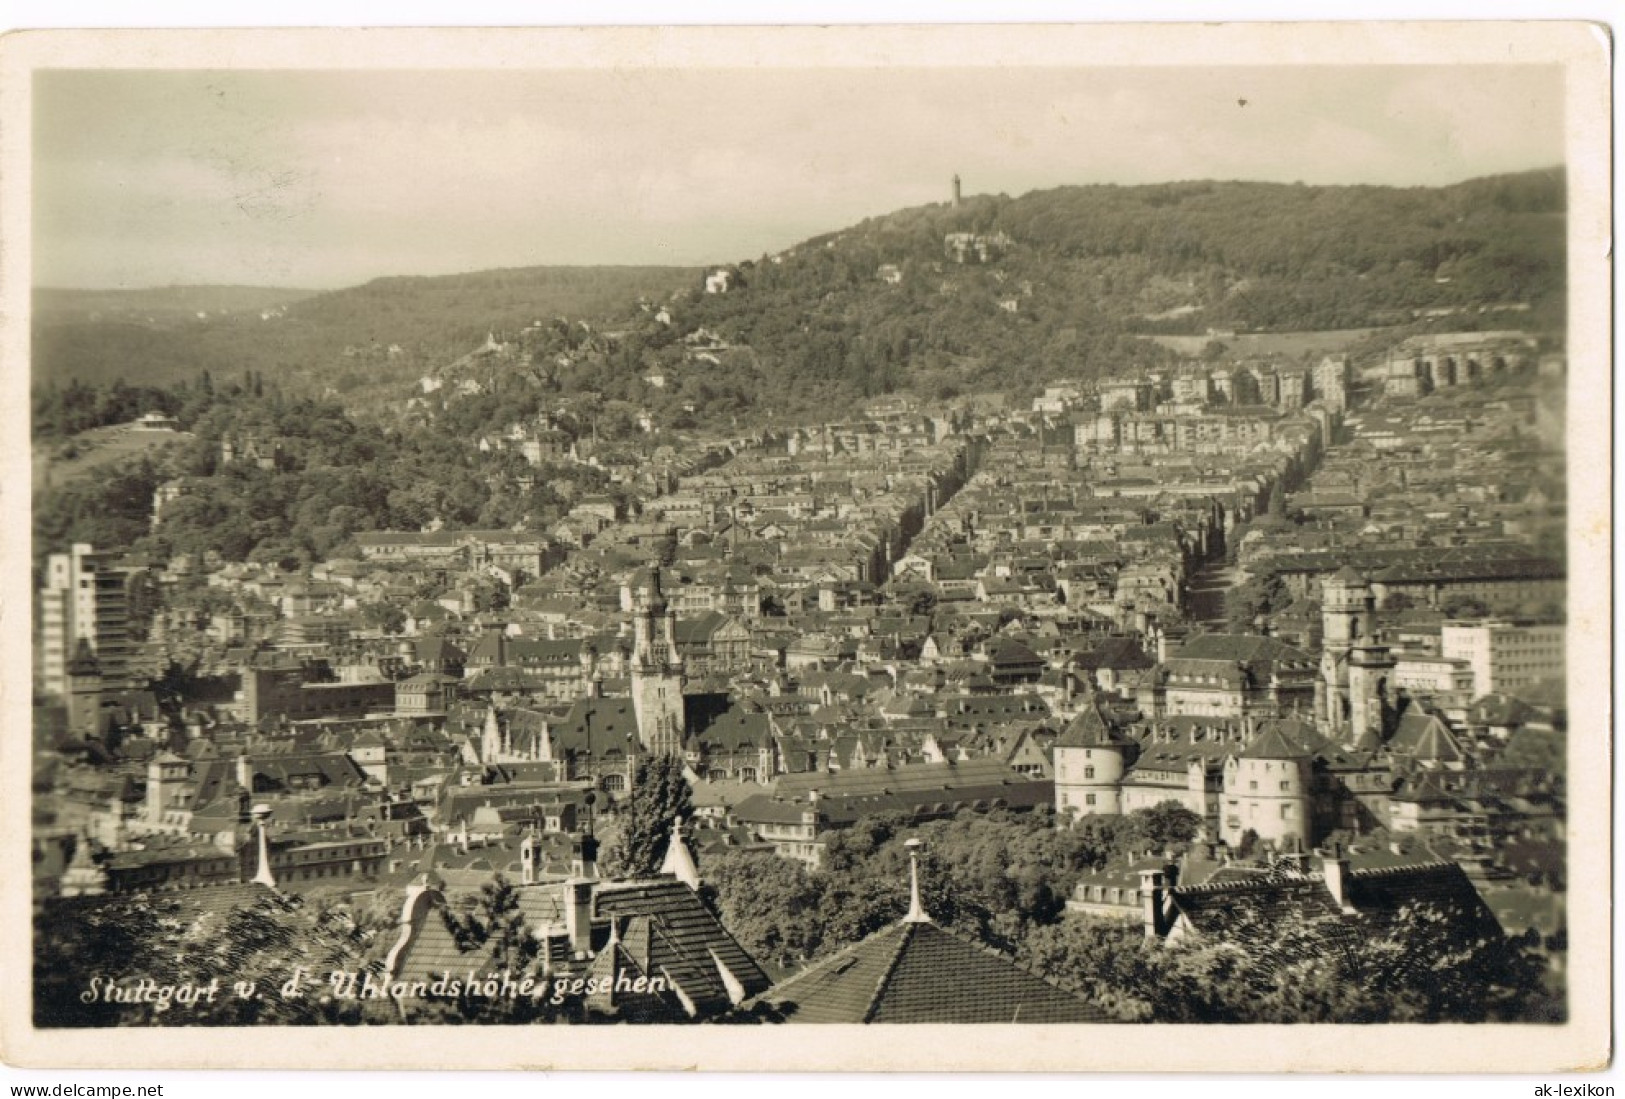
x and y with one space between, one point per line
1583 51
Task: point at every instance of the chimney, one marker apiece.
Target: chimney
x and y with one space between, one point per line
1153 897
1334 866
578 894
578 915
584 859
245 774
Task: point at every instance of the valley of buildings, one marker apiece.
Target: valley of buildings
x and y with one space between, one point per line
916 610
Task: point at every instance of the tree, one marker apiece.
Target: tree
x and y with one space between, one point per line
774 906
1165 827
1420 964
1465 606
660 796
492 925
1256 596
492 922
258 944
1104 960
1248 844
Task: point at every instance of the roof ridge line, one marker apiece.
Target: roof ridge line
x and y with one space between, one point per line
820 964
1246 885
1374 871
903 940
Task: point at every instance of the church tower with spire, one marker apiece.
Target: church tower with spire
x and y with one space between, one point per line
1347 614
657 672
1370 669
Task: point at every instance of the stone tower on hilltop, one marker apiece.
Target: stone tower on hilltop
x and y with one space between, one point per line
958 201
657 672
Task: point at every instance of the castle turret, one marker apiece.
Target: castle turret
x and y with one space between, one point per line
1090 758
1267 790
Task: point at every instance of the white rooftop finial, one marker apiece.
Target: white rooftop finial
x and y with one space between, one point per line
264 876
916 910
679 862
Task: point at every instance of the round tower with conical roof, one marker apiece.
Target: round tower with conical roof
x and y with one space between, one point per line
1090 759
1267 789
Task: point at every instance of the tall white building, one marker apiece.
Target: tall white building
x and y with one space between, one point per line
1505 655
83 599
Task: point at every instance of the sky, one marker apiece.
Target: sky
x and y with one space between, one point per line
322 179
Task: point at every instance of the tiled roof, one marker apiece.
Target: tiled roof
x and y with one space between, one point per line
1089 729
1425 736
1442 886
737 729
673 933
1221 908
613 727
1121 653
921 973
920 777
1254 652
1275 743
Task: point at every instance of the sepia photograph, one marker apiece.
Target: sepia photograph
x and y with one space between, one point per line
1097 533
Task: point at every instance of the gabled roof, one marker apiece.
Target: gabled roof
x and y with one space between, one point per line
1007 652
597 726
681 939
917 972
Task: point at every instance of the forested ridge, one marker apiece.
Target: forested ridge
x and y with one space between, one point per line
1055 283
338 340
1070 276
